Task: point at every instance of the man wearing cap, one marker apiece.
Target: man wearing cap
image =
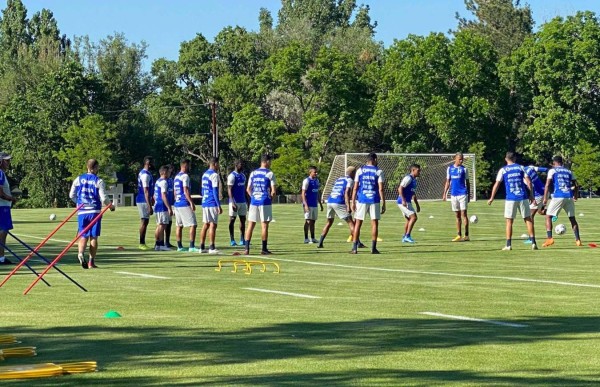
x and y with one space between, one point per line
6 201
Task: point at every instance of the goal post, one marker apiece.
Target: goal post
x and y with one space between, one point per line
395 166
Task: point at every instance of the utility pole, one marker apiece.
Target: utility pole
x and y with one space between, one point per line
214 131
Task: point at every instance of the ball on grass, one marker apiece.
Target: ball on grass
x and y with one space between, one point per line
560 229
52 217
474 219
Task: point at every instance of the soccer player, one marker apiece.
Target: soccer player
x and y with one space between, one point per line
144 198
211 206
6 201
261 189
162 208
516 183
171 197
563 198
457 182
368 189
184 207
406 193
538 192
310 198
236 189
88 189
339 203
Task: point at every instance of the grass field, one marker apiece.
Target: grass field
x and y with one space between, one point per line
365 326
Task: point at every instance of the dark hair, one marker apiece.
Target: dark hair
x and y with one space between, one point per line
558 159
148 159
372 156
92 163
459 154
414 166
265 157
512 156
312 167
184 161
163 169
213 161
237 161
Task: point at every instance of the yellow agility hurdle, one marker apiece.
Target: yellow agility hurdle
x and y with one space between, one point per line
247 265
17 352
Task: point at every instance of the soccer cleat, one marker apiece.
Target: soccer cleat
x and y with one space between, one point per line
213 251
407 239
232 243
169 245
466 239
265 252
320 246
507 248
457 238
182 249
82 261
91 265
361 246
6 262
306 240
156 248
549 242
528 242
241 242
202 251
194 250
534 246
143 247
349 239
163 248
578 243
375 251
311 241
314 241
353 252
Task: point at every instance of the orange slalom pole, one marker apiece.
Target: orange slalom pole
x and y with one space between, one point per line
42 243
62 253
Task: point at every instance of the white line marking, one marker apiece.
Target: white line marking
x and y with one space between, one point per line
36 237
141 275
463 318
515 279
283 293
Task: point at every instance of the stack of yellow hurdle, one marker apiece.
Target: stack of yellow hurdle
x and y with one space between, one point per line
36 370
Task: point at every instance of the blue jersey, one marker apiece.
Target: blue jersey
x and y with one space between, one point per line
260 187
144 179
536 182
237 181
181 181
513 176
408 187
311 191
562 179
88 193
160 187
171 190
368 178
458 177
210 189
337 195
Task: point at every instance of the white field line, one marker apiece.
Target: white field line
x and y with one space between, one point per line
36 237
463 318
515 279
141 275
282 293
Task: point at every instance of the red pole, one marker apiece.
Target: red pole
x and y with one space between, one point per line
62 253
42 243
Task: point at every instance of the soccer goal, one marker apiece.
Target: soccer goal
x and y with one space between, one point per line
395 166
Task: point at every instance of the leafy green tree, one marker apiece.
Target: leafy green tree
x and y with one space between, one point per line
291 165
586 165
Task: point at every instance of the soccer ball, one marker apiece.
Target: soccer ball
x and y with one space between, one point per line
473 219
52 216
560 229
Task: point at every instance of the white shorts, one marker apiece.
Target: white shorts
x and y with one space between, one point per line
537 204
162 217
408 210
242 210
185 217
312 214
260 214
210 215
557 204
373 209
143 210
511 207
340 210
459 203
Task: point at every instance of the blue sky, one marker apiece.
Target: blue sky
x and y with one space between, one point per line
164 24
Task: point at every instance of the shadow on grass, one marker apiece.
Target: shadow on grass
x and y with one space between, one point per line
166 348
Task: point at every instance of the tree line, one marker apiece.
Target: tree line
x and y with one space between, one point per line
315 84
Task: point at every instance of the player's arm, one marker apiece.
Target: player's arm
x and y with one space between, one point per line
103 197
72 193
146 184
230 184
530 188
320 197
446 189
468 183
303 195
347 197
273 188
216 184
494 191
547 189
575 189
354 190
188 197
382 196
165 199
417 203
401 194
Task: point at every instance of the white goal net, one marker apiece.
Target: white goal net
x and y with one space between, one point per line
395 166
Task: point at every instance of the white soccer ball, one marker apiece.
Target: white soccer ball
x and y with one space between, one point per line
560 229
473 219
52 216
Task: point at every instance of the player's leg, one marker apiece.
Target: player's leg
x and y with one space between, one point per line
306 226
359 216
410 224
248 236
375 215
3 259
465 221
193 238
266 215
232 217
168 228
212 233
328 224
569 207
144 213
553 209
242 230
159 232
526 213
81 245
458 216
510 211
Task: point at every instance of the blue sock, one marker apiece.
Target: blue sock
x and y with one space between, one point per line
549 234
532 239
576 234
179 245
374 245
355 246
247 243
264 245
508 242
192 244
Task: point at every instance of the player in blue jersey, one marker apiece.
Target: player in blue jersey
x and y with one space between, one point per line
518 188
310 199
184 208
563 198
538 192
6 202
162 208
406 194
261 189
171 197
238 207
211 206
338 203
457 183
144 198
367 197
88 189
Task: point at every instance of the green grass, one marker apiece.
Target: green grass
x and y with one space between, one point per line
200 327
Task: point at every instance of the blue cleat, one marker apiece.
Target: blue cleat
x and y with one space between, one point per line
407 239
232 243
528 242
241 242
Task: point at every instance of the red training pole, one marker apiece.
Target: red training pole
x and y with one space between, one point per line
62 253
42 243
